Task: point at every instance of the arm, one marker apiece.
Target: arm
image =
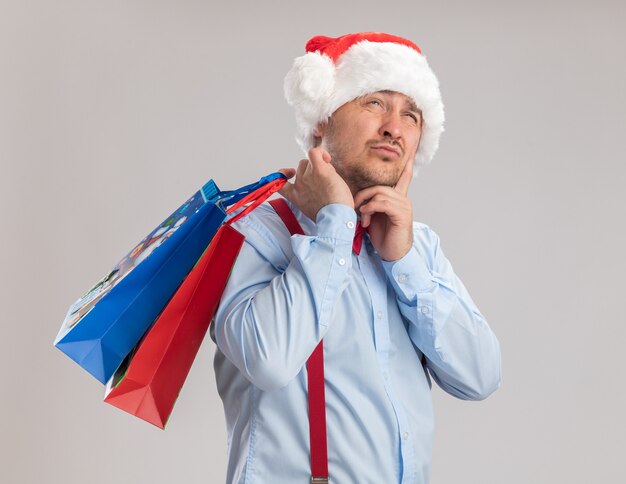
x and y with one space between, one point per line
463 354
278 301
277 304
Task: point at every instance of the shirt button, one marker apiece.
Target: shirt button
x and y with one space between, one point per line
386 375
424 310
379 315
402 278
405 435
350 224
342 262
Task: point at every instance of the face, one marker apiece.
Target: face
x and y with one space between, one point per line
371 138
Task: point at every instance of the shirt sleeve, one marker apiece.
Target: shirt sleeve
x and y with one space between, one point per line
277 303
462 352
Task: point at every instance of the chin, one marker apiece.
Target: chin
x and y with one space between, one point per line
368 172
385 173
373 178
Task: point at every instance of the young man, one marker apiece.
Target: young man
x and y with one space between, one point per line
390 316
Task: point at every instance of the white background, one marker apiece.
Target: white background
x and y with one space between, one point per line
113 113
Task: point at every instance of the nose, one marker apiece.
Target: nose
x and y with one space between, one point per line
391 126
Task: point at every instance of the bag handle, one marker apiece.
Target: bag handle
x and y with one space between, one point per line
257 197
230 197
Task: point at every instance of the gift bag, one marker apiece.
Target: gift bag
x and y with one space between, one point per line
150 379
104 325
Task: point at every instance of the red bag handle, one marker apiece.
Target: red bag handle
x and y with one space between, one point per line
258 197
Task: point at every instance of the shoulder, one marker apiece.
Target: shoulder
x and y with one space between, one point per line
264 230
265 222
262 222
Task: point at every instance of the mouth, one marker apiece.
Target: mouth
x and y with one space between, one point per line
387 150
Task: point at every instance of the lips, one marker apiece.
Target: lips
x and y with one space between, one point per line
386 149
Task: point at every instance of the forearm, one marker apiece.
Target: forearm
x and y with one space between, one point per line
463 354
277 307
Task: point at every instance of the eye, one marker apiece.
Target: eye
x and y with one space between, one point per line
414 118
374 102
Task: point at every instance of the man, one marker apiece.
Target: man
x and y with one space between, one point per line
391 315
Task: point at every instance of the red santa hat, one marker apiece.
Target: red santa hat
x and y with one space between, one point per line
335 71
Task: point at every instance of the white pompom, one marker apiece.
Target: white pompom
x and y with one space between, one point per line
310 80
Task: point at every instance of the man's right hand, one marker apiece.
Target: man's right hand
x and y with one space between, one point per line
317 184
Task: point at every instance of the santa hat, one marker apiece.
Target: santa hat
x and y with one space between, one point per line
335 71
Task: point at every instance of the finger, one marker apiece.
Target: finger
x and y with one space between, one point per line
368 193
395 209
288 172
377 204
287 191
322 154
365 220
405 179
318 155
325 155
288 188
302 166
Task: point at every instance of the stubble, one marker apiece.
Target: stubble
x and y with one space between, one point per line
358 171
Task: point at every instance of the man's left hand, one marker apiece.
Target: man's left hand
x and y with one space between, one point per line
387 213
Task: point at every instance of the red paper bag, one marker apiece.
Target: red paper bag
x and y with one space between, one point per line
149 381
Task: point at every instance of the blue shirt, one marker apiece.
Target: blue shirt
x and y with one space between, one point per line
388 327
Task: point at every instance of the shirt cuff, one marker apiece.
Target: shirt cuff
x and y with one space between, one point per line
409 276
336 221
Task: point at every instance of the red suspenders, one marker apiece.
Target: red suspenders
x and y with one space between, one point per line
315 371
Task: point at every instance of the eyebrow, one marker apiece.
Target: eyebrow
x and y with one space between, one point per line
408 102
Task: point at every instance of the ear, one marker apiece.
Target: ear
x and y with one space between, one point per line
318 133
320 129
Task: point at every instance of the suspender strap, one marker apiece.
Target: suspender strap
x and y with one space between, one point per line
317 415
315 371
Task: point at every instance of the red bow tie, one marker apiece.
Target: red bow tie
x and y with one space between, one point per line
358 238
